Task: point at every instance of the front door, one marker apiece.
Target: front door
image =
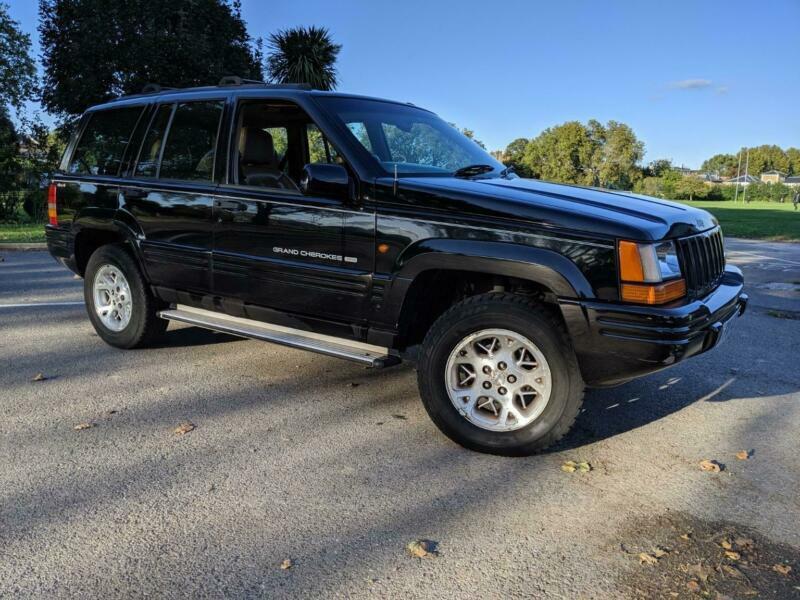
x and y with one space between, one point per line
275 247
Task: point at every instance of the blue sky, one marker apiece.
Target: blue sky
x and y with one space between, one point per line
693 78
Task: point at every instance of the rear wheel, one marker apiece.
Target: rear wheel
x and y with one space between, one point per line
497 374
120 305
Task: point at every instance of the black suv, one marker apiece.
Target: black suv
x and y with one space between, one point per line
374 231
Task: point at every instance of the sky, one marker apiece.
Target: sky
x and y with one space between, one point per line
692 78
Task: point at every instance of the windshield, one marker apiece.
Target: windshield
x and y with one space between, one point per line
408 139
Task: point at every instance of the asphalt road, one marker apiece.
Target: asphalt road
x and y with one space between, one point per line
302 457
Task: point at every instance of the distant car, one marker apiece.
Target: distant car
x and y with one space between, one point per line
374 231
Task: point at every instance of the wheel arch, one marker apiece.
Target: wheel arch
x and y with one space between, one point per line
430 276
91 234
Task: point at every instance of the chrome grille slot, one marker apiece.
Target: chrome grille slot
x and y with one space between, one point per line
702 259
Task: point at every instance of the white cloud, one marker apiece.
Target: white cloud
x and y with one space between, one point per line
691 84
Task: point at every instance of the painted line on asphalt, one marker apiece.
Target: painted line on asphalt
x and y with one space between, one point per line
762 257
39 304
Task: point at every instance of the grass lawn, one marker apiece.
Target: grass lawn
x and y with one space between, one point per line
26 233
761 220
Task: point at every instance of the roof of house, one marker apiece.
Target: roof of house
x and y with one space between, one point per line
793 179
743 179
773 172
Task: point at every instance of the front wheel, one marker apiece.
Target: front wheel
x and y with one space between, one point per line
120 305
498 374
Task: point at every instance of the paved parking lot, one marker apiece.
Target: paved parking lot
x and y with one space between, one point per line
302 457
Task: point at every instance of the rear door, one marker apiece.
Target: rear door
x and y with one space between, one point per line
170 193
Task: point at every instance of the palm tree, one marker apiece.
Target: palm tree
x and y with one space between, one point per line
303 55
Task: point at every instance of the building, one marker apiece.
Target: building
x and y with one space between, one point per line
741 180
793 181
773 176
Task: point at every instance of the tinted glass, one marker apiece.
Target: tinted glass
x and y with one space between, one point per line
319 149
100 149
151 147
406 139
191 141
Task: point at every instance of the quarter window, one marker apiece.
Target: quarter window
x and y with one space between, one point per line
100 149
319 149
191 142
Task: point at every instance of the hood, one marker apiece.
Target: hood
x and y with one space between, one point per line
606 213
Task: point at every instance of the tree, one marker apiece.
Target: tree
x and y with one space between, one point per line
658 167
592 154
93 50
471 135
17 69
303 55
793 156
723 164
691 188
514 156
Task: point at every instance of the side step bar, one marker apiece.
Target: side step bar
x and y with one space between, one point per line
372 356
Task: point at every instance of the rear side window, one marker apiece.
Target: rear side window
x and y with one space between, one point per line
191 141
100 149
151 146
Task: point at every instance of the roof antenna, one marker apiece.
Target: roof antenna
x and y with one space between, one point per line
394 186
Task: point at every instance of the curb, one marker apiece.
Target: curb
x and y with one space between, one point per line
23 246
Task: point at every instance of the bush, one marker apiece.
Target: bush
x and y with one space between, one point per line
10 203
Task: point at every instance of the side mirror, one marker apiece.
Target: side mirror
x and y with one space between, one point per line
330 181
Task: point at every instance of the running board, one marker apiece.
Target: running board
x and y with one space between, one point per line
372 356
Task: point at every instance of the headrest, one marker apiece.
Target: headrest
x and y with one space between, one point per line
257 148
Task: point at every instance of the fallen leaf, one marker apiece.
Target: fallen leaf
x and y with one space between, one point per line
711 466
82 426
660 552
422 548
782 569
584 467
693 586
745 543
686 536
726 544
39 377
743 455
647 559
184 428
733 571
732 554
287 564
569 467
401 417
700 571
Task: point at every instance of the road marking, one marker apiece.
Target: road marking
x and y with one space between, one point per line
791 262
34 304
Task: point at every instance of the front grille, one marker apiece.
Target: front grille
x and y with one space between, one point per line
702 260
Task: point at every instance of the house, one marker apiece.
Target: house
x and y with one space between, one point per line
793 181
773 176
741 180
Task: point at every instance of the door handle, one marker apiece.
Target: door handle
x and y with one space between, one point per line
232 205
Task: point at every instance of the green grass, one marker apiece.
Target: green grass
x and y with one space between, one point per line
21 233
758 220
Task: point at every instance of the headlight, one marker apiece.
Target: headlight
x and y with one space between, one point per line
650 273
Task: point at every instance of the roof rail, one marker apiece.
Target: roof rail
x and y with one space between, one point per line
154 88
236 80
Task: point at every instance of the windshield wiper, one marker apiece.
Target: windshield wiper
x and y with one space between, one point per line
473 170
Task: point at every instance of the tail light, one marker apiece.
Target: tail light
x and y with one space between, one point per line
52 210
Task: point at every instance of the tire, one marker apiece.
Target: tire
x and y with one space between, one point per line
140 324
455 345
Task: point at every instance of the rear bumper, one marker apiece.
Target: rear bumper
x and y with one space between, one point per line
60 245
617 342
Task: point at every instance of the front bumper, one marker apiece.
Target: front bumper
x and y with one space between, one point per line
617 342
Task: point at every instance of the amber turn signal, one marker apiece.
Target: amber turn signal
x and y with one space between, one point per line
660 293
630 262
